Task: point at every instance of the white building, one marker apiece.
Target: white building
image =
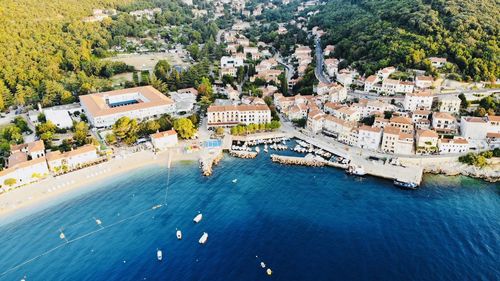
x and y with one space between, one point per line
455 145
225 116
60 118
332 66
421 100
315 120
450 104
396 142
426 141
369 137
444 122
163 140
391 86
348 114
231 62
473 128
71 160
184 101
33 150
346 77
438 62
23 173
384 73
423 82
104 109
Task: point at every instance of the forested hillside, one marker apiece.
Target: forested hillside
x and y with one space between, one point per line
377 33
46 50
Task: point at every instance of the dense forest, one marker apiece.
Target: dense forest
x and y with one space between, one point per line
376 33
48 54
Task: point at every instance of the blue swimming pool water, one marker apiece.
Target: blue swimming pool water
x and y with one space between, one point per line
305 223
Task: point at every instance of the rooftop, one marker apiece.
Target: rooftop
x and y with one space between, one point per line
99 104
163 134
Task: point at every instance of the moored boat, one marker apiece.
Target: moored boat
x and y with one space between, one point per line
356 171
405 185
203 238
198 218
178 233
159 255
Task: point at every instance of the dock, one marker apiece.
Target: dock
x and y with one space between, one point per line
292 160
408 173
243 154
208 160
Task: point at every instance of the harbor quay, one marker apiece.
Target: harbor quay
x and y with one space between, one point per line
410 172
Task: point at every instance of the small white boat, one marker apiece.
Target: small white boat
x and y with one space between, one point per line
178 233
62 236
159 255
98 221
269 272
262 264
198 218
203 238
257 149
235 180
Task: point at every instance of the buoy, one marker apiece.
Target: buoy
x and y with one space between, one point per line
269 272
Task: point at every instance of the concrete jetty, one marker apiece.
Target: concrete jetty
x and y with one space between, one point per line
208 160
243 154
402 173
303 161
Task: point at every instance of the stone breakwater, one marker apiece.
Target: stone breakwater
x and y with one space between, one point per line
208 163
289 160
243 154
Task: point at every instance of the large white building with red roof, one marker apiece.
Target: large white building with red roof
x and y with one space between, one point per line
103 109
232 115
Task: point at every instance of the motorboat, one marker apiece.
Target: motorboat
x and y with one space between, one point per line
159 255
356 171
405 185
257 149
178 233
235 180
269 272
203 238
198 218
262 264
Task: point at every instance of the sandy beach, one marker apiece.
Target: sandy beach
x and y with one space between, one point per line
55 187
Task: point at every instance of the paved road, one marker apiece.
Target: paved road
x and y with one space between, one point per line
320 75
290 71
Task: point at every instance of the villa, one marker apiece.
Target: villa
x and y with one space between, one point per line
443 122
163 140
104 109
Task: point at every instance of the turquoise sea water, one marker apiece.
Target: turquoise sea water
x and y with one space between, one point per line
304 223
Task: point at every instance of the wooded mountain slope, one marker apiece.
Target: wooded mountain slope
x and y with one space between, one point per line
378 33
40 42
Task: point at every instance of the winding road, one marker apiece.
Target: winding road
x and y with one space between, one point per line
320 75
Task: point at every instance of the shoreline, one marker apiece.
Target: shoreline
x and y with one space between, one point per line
30 196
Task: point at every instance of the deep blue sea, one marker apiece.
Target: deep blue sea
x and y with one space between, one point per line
304 223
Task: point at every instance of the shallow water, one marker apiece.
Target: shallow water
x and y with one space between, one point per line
305 223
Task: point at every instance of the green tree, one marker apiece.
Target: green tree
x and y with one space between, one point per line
81 130
10 181
126 130
185 128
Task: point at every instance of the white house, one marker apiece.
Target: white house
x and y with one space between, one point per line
332 66
315 121
391 86
473 128
420 99
369 137
230 62
163 140
449 104
396 142
384 73
426 141
423 82
438 62
455 145
444 122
